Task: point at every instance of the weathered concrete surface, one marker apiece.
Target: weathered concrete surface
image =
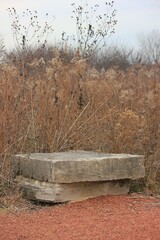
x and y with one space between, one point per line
54 192
75 175
78 166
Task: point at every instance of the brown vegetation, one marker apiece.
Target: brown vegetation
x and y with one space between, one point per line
55 106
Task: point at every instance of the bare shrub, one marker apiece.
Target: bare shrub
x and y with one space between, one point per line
111 56
93 27
2 50
149 47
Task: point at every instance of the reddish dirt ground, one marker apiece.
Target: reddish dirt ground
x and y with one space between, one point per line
132 217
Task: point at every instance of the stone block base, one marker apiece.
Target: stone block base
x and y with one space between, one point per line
66 192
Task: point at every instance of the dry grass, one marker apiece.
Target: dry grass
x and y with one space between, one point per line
54 106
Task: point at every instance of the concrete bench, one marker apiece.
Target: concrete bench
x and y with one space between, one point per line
75 175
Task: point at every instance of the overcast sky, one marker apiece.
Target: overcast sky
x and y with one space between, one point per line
134 17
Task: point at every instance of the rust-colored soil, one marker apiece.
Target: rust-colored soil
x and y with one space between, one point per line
132 217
